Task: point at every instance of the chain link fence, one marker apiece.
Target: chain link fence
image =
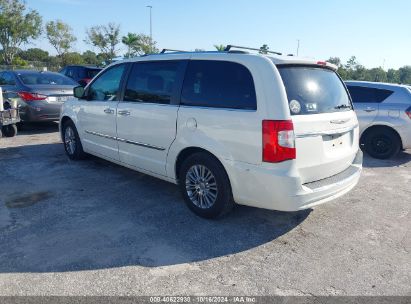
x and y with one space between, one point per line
33 65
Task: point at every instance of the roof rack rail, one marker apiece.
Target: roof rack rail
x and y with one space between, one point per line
228 48
170 50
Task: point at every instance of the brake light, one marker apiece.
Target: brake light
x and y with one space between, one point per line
408 112
26 96
321 62
278 141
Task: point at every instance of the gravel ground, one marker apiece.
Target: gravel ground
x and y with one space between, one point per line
94 228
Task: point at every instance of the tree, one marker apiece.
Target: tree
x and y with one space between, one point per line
131 41
351 63
405 74
377 75
90 57
264 49
105 38
73 58
220 47
60 37
335 60
393 76
139 44
17 27
34 54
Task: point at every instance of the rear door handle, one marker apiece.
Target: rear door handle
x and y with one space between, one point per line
124 113
109 111
369 109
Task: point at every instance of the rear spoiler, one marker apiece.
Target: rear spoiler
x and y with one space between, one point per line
328 65
323 64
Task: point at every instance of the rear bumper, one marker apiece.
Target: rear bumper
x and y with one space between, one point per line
39 111
283 191
405 134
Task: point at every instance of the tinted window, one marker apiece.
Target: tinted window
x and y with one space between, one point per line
152 82
367 95
312 90
218 84
8 79
41 78
107 85
2 80
90 73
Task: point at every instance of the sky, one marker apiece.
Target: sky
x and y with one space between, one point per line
377 32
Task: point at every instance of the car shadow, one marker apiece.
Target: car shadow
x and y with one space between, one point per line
400 159
37 128
58 215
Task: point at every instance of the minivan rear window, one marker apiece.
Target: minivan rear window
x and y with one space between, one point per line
313 90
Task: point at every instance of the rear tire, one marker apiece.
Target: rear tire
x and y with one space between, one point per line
382 143
9 130
205 186
71 141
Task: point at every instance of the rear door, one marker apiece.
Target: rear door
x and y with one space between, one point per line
97 115
325 124
366 103
147 114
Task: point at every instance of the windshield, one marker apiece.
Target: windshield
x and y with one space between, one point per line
313 90
39 78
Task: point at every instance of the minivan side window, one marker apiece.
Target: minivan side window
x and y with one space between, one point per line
218 84
106 87
368 95
152 82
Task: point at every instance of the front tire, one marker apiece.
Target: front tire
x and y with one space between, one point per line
9 130
71 141
382 143
205 186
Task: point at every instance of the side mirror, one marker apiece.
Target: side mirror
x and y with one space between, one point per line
79 92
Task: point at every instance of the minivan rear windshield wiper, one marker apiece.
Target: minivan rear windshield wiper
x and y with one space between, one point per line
343 106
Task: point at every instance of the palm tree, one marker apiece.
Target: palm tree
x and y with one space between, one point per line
220 47
130 41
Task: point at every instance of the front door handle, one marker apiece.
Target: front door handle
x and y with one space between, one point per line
109 111
369 109
124 113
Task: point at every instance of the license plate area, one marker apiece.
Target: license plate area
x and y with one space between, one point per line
338 142
57 99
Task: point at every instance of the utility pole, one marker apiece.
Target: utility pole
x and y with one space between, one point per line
298 46
151 23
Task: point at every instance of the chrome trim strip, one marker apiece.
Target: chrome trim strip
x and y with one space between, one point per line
328 132
140 144
126 141
101 135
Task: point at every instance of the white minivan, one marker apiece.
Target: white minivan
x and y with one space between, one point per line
268 131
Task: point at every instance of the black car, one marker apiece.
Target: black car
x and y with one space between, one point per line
81 74
39 95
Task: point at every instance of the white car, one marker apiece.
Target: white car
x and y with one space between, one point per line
269 131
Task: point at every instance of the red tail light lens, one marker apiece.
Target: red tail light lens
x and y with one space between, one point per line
26 96
408 112
278 141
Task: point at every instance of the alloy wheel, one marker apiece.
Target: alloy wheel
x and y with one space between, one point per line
201 186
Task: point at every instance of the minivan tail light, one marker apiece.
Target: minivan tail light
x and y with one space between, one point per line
26 96
278 141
